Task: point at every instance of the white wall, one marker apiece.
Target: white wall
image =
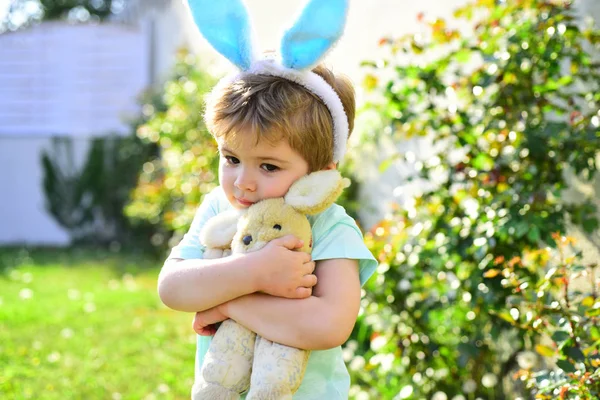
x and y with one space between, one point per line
23 217
78 81
168 34
64 79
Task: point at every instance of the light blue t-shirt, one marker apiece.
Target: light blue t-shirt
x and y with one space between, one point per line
335 235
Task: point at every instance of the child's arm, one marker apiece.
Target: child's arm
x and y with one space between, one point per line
198 284
322 321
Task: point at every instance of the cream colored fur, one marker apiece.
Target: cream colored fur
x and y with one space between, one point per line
218 233
237 359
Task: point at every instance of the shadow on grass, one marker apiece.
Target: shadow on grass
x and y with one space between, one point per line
129 261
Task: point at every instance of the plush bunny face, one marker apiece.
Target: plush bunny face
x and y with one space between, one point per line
268 220
251 229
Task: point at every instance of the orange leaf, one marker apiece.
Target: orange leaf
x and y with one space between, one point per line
513 261
563 391
491 273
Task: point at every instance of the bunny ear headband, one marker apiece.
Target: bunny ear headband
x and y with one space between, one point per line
226 26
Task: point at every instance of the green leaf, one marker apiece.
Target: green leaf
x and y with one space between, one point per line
463 55
578 268
595 332
534 234
521 229
566 366
545 350
565 80
593 312
371 64
551 85
590 224
505 315
574 353
560 336
385 164
483 162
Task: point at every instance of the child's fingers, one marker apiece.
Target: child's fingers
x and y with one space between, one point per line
308 281
303 292
209 330
309 266
290 242
196 323
201 329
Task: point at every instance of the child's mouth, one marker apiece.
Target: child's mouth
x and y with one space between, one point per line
244 202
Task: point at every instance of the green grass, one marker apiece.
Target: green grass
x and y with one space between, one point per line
89 325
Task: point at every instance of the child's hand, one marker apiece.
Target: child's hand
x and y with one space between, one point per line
284 272
204 321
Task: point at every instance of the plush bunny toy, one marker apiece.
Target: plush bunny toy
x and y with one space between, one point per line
238 359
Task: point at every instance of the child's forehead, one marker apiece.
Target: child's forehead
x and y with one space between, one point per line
258 148
251 140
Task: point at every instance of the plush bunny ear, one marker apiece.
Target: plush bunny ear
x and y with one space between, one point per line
315 192
226 26
318 27
218 232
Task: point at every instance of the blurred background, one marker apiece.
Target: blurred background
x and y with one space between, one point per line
473 162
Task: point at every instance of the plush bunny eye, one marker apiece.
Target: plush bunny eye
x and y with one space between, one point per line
277 226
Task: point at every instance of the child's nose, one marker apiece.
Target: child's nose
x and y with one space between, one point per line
245 181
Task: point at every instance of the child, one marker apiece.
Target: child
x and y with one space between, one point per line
272 127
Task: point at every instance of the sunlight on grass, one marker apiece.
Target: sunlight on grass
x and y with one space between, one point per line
89 326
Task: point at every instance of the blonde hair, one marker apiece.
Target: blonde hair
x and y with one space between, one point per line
274 108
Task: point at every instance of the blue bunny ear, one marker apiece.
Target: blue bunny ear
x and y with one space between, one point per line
318 27
226 26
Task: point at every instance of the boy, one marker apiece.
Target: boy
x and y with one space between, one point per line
270 132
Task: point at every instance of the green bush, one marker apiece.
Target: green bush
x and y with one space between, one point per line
173 184
53 9
88 202
471 283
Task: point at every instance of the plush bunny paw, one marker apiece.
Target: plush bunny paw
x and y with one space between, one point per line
213 391
277 370
227 364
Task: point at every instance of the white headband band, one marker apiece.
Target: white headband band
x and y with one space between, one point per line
226 26
315 84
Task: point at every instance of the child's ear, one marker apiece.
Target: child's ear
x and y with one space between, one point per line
330 167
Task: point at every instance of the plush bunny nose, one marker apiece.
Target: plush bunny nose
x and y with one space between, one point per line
247 240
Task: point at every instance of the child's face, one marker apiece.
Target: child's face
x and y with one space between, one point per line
250 172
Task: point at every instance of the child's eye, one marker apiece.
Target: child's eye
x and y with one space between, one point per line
270 167
232 160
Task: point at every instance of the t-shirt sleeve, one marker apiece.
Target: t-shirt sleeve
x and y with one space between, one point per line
190 246
336 235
